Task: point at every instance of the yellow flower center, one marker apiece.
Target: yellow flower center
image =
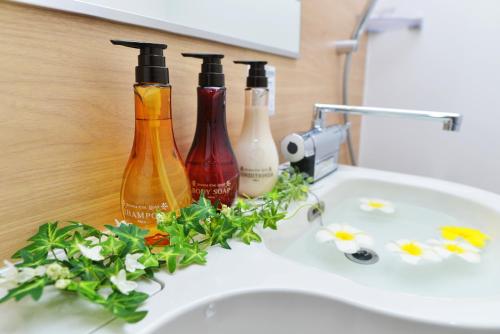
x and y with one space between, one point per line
343 235
471 235
412 249
454 248
375 204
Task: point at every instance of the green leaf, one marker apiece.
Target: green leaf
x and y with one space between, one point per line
170 255
132 235
271 216
223 232
131 316
72 248
165 219
47 238
247 234
138 273
88 290
193 255
115 267
125 306
190 219
33 288
87 269
203 208
241 204
149 260
176 234
112 246
86 229
32 259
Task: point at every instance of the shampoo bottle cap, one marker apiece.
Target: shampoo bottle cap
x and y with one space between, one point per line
151 62
257 73
211 69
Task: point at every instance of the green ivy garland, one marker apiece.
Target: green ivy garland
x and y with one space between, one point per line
104 266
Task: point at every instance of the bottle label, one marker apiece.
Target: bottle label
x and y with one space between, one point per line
256 173
142 213
213 191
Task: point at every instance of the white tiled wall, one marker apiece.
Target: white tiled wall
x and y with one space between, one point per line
452 64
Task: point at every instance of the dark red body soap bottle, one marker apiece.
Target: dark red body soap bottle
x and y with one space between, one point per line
211 163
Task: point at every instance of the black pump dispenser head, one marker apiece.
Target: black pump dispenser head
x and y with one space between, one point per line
257 73
211 69
151 67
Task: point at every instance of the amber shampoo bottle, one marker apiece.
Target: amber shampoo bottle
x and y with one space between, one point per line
211 163
155 177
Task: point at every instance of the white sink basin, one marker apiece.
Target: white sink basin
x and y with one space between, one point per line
293 312
422 206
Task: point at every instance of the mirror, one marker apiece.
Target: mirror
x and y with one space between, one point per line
266 25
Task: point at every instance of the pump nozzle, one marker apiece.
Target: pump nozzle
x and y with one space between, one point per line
151 62
211 69
257 73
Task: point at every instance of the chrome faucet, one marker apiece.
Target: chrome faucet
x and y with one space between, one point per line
316 151
451 121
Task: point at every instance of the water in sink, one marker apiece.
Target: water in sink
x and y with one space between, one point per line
453 277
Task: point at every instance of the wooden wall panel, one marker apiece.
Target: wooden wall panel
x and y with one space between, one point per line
66 104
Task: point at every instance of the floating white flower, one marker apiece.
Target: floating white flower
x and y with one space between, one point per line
121 283
447 248
372 204
92 253
132 263
347 238
413 251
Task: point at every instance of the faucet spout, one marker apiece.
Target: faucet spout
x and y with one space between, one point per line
450 121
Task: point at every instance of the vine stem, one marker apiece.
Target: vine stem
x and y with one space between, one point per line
297 211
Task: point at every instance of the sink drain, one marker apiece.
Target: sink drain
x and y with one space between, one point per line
315 211
363 256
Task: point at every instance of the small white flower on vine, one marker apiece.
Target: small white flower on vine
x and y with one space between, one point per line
53 271
347 238
94 240
27 274
92 253
447 248
413 252
226 210
9 276
372 204
65 273
120 222
132 263
62 283
121 283
57 254
105 292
